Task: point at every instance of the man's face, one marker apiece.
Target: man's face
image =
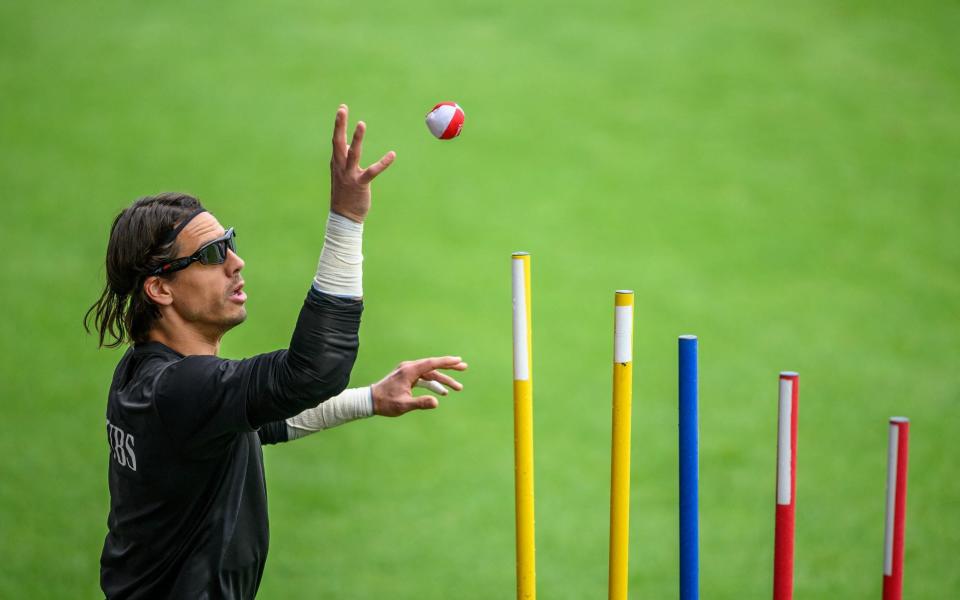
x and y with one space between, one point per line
210 297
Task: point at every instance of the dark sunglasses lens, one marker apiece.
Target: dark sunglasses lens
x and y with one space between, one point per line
214 254
232 243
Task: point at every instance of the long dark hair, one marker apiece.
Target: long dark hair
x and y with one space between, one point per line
138 245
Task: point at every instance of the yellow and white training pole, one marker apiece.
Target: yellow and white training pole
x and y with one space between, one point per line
523 427
620 452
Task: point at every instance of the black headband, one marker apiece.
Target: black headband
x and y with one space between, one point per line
176 230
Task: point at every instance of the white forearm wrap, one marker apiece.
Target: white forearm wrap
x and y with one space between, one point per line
340 270
352 404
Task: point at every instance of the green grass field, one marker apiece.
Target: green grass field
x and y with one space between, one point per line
781 180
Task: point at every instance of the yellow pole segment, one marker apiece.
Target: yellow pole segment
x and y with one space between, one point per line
523 427
620 453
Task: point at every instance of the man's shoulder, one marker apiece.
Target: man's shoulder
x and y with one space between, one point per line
187 375
146 370
143 359
153 359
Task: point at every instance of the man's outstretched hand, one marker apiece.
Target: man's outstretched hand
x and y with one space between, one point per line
349 183
350 197
393 395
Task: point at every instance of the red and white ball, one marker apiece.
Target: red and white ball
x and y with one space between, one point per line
445 120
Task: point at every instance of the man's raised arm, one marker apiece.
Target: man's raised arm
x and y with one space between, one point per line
324 345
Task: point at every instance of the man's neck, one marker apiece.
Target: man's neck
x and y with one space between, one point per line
186 341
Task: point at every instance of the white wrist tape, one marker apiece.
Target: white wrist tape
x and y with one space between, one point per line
352 404
340 270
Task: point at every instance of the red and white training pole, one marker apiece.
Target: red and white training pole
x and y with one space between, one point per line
786 485
896 508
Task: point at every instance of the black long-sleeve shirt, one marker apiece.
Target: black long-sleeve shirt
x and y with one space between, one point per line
188 503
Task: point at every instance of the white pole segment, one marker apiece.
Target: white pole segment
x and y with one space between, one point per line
784 446
623 334
892 448
521 362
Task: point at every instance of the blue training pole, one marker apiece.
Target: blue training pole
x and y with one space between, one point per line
689 471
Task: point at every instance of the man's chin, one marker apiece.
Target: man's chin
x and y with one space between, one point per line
236 318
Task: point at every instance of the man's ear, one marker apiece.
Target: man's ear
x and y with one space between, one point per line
158 290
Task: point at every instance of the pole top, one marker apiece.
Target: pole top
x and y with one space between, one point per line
899 420
688 336
518 254
789 374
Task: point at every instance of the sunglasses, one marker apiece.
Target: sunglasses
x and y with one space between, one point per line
213 252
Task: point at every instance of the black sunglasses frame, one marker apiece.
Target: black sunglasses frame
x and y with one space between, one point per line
222 244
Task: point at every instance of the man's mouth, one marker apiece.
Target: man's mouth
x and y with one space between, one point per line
237 295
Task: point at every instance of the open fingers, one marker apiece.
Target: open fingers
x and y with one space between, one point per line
438 377
419 368
353 151
340 134
378 167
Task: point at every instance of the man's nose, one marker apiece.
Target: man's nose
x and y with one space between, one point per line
234 262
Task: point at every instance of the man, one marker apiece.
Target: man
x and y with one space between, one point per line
188 506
